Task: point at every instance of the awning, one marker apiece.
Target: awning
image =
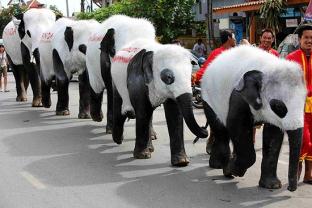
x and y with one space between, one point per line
250 6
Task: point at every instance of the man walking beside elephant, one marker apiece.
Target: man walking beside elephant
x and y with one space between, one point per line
303 57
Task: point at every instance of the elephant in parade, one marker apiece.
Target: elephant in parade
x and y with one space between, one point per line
243 87
145 75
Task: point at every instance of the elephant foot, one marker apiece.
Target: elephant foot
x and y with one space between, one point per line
270 183
118 140
292 185
37 102
142 154
21 99
46 104
84 115
63 113
238 172
97 117
179 160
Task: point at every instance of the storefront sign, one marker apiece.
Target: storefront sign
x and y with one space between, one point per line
291 22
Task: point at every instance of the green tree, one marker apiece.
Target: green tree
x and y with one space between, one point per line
270 13
170 17
56 10
7 14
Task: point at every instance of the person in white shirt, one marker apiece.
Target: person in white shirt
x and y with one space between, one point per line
3 69
200 48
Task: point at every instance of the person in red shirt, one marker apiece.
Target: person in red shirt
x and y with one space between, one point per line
228 41
303 57
266 41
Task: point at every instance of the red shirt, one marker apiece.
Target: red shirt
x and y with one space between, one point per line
212 56
271 51
274 52
306 65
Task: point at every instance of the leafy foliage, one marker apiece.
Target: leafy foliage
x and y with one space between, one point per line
7 13
270 12
56 10
170 17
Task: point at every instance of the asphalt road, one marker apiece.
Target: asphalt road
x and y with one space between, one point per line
49 161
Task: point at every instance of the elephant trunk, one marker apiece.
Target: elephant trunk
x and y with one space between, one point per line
295 139
185 104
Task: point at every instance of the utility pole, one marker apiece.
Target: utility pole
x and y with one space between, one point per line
210 24
67 9
82 8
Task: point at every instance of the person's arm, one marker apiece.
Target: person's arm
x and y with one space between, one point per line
201 71
194 47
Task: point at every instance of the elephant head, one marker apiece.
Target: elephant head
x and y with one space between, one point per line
278 97
166 72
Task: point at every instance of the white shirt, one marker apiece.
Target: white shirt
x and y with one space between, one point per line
3 59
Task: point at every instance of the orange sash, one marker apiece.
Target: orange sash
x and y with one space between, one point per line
308 104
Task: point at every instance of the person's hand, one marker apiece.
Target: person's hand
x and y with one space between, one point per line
194 78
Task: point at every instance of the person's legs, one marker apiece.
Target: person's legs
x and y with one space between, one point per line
308 158
5 79
1 72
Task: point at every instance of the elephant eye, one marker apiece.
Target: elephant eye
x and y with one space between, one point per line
278 107
167 76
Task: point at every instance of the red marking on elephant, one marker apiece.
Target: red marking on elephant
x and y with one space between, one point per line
122 59
10 31
96 38
125 55
47 37
130 49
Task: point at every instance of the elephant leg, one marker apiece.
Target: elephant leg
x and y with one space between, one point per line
18 72
62 83
33 75
272 143
107 78
96 105
118 118
143 142
174 120
219 149
84 99
46 92
240 126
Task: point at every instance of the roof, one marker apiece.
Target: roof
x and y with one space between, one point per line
34 4
251 6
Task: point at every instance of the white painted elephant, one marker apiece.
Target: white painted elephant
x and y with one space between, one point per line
245 86
145 75
107 38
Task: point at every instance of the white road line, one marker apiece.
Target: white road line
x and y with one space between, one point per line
32 180
279 161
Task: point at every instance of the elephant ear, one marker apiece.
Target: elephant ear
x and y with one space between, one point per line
140 67
69 37
249 88
108 43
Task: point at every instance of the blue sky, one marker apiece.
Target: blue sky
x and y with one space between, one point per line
74 5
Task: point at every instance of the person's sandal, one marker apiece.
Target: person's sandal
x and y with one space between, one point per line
6 90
